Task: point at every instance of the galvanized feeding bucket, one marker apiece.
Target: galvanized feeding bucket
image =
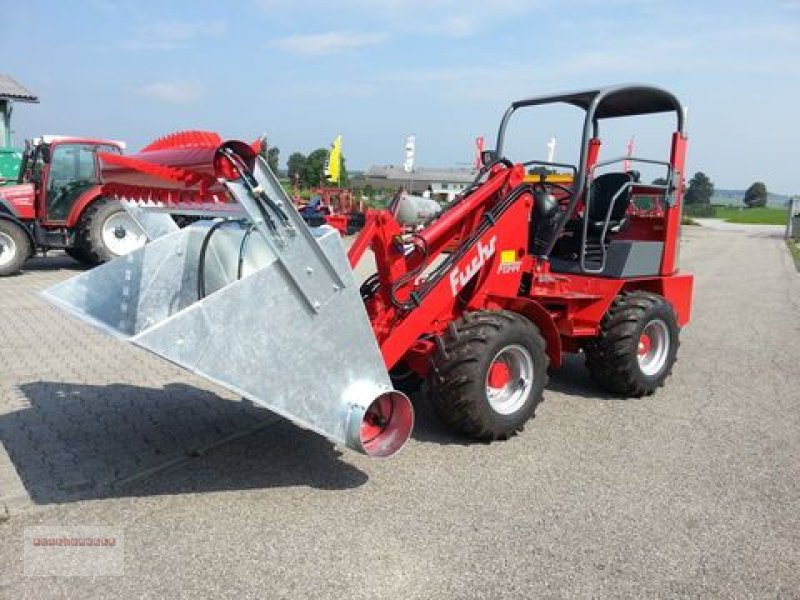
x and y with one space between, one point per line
262 306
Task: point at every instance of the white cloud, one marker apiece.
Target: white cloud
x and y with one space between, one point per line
169 35
459 26
332 42
451 18
173 92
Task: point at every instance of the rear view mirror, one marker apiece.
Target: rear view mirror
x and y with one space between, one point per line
488 157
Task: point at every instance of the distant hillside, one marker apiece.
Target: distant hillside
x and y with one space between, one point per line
736 198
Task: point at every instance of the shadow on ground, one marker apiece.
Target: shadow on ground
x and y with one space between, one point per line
53 262
76 442
573 379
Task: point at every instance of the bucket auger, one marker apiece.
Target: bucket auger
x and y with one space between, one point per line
243 301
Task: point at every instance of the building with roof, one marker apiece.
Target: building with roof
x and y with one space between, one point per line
442 184
10 91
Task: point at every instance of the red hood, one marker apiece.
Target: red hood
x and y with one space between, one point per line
20 199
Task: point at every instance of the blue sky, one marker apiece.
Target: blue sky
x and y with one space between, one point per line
376 70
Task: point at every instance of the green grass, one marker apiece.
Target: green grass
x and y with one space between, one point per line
761 216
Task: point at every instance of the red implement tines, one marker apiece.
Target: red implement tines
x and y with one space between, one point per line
187 177
185 139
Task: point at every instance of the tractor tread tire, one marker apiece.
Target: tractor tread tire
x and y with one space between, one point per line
457 389
90 243
611 357
22 244
85 245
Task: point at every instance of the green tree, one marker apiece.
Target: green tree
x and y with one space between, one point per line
273 158
315 167
344 178
756 195
701 189
296 166
269 153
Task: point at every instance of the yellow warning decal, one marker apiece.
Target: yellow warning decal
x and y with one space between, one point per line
508 256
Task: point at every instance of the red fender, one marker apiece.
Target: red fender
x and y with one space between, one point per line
539 316
81 203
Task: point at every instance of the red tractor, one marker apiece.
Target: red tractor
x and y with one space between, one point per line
540 269
58 203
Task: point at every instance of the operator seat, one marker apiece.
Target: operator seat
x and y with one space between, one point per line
604 189
602 192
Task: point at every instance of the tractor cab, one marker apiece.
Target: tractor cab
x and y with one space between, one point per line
63 170
598 218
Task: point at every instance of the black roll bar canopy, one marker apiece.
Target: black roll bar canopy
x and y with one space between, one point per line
624 100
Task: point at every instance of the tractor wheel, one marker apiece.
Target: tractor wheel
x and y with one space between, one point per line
489 374
15 247
106 230
637 346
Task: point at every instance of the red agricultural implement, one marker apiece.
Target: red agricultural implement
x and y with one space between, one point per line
334 206
541 269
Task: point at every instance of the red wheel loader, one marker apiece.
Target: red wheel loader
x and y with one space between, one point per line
540 269
59 202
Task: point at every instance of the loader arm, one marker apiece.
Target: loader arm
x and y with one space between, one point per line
421 287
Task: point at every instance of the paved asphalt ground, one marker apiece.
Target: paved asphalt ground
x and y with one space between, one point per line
692 492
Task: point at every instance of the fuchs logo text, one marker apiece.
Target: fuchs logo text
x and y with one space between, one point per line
459 278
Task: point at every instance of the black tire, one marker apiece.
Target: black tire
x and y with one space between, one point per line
15 247
458 382
90 244
613 356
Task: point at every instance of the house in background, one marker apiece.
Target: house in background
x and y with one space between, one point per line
442 184
10 92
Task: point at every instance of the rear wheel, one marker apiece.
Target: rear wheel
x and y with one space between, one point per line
15 247
106 231
637 346
489 374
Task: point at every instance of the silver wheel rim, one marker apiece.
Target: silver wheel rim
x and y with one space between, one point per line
8 249
121 234
653 347
510 379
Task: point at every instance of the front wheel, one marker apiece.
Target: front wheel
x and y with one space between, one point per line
637 345
15 247
107 231
488 374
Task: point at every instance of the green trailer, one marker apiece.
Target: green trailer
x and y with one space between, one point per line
10 161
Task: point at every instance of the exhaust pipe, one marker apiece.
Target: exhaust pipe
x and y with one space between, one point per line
263 306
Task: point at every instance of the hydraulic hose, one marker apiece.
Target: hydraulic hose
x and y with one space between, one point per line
201 260
242 246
